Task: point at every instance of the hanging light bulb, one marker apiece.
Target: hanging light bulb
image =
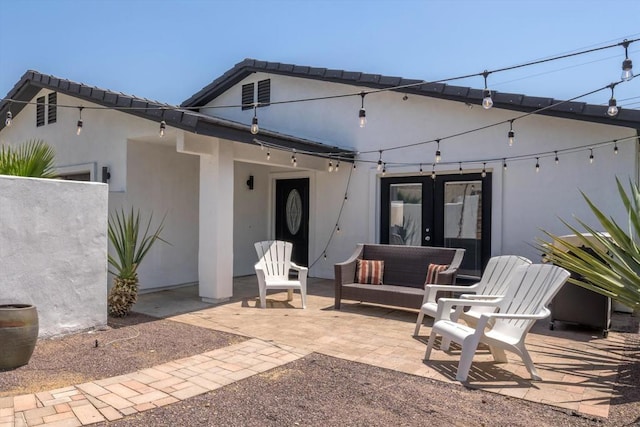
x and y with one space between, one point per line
338 166
511 134
354 164
537 164
613 108
337 229
324 255
504 164
254 122
557 159
79 126
484 170
163 126
380 161
591 155
615 146
268 154
438 154
433 171
384 169
330 166
9 119
460 167
627 65
294 161
420 169
487 102
362 114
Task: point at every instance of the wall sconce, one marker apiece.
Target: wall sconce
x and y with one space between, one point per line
250 182
106 175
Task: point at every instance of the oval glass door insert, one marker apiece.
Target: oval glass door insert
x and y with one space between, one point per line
294 211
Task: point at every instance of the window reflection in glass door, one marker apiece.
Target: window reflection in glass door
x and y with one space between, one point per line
405 219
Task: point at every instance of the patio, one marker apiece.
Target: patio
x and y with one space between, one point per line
579 368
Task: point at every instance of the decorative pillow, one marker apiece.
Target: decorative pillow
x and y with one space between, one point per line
369 271
433 271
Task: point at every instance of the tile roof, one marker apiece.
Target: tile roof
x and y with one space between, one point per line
509 101
192 121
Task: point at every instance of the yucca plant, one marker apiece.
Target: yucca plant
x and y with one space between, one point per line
612 266
34 158
130 248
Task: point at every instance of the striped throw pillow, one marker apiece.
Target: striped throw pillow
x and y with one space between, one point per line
369 271
433 271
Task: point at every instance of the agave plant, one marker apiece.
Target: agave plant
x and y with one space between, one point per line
34 158
612 265
130 249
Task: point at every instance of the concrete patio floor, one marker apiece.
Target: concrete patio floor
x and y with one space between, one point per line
579 368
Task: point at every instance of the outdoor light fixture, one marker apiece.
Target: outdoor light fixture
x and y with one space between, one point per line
9 119
433 171
338 166
79 127
613 107
268 154
420 168
504 164
460 167
484 170
537 164
557 160
379 162
627 65
487 102
250 182
438 154
254 122
106 174
330 166
294 161
384 169
591 155
615 146
511 134
362 114
163 127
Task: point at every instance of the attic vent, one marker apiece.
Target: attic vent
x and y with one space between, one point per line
264 92
52 108
247 96
40 111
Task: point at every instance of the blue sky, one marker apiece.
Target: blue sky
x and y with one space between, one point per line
167 50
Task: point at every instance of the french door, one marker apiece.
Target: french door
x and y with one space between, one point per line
451 211
292 216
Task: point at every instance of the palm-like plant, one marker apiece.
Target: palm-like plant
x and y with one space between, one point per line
612 265
34 158
130 249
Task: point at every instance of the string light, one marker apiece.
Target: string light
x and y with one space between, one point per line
420 169
438 154
433 171
268 154
615 146
504 164
330 166
557 160
163 126
379 161
484 170
537 164
511 134
487 102
362 114
591 155
613 108
384 169
627 65
79 126
9 118
294 161
254 122
338 166
460 167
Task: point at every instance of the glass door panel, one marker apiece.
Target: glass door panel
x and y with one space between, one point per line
405 219
463 222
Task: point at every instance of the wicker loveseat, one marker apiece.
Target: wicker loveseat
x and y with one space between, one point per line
405 271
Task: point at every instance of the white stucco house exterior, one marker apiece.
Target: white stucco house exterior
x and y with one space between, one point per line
223 188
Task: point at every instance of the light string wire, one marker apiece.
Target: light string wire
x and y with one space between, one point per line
335 227
163 106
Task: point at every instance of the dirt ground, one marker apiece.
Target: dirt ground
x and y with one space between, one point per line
315 390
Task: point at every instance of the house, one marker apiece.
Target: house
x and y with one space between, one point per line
224 188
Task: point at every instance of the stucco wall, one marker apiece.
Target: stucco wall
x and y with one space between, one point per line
53 251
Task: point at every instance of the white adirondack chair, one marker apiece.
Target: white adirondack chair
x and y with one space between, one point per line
530 289
272 269
493 283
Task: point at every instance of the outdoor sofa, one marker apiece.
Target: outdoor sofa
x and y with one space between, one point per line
405 270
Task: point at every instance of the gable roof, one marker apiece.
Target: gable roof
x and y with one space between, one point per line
508 101
192 121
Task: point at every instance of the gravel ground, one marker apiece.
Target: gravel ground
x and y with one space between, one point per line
315 390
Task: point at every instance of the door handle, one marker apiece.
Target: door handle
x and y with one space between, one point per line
428 238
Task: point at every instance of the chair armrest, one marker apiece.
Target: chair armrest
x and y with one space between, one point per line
430 291
297 267
480 297
445 306
345 272
542 314
302 273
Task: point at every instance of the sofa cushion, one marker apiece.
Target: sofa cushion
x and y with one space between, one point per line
432 272
369 271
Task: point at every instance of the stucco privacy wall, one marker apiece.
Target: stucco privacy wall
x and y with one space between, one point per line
523 201
53 251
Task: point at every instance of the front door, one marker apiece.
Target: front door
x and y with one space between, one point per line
452 211
292 216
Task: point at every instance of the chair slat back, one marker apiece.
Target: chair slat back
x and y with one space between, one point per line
531 288
495 279
275 258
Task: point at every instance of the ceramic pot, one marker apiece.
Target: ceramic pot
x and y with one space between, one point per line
18 334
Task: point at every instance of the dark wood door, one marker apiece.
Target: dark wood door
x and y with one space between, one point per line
292 216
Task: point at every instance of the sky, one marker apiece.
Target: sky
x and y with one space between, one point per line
167 50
